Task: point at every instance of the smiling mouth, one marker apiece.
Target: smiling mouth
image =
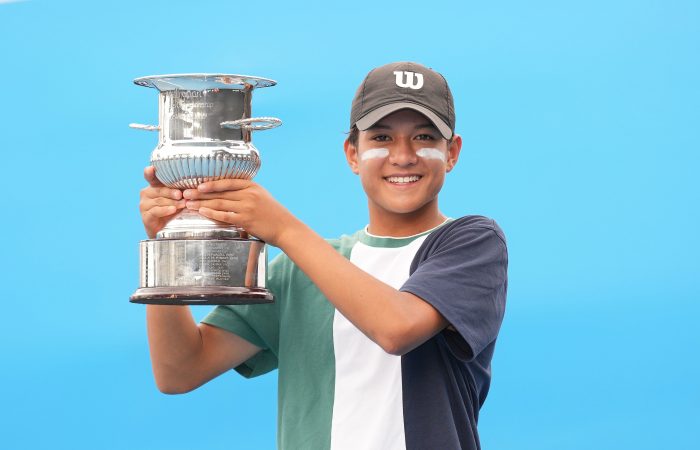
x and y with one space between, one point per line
403 180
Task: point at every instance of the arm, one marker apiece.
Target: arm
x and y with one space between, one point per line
397 321
184 355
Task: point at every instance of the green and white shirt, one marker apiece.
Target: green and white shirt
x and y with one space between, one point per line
339 390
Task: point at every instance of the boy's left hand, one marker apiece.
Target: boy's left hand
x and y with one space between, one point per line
243 203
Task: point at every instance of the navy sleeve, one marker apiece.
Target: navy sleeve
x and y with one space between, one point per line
461 270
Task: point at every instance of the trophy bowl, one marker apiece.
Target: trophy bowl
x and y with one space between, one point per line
188 170
205 133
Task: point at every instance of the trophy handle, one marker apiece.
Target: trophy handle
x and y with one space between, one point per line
139 126
251 124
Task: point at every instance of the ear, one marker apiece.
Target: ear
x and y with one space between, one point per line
453 152
351 156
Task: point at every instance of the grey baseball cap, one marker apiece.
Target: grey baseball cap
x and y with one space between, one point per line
402 85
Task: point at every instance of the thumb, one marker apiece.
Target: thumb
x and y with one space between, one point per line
149 173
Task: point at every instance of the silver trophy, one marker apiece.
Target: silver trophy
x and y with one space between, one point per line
204 134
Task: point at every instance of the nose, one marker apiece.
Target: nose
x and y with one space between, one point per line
402 153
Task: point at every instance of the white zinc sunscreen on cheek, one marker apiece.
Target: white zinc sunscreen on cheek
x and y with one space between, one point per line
432 153
374 153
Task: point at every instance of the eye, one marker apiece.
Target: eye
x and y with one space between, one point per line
425 137
380 138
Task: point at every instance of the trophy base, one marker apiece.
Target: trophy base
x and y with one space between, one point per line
201 295
202 272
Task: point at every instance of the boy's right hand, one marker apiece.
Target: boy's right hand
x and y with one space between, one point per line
158 203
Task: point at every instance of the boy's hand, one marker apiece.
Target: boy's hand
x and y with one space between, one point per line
158 203
243 203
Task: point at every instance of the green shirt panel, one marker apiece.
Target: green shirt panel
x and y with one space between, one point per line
296 334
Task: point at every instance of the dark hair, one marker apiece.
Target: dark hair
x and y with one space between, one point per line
353 135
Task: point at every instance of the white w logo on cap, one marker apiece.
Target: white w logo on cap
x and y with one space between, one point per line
413 80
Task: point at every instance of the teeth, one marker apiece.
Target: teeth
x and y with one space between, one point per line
410 179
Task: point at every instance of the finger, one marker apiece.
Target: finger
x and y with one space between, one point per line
154 192
221 216
159 212
194 194
224 185
150 203
149 173
218 204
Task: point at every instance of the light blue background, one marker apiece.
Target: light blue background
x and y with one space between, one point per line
581 137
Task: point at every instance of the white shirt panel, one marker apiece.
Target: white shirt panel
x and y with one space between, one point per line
368 403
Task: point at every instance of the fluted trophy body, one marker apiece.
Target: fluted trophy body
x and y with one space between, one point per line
205 133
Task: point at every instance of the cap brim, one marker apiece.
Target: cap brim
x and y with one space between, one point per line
378 114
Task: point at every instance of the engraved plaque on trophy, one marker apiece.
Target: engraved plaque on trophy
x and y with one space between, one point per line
204 134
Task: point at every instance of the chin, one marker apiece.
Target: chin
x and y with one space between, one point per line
404 208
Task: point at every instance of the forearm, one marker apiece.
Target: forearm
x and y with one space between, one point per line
175 341
395 320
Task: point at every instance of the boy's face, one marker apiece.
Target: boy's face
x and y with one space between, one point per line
402 161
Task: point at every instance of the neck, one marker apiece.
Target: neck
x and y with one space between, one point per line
404 224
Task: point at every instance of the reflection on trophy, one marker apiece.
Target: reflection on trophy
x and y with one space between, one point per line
205 129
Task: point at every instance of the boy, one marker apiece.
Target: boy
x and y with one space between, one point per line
383 339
